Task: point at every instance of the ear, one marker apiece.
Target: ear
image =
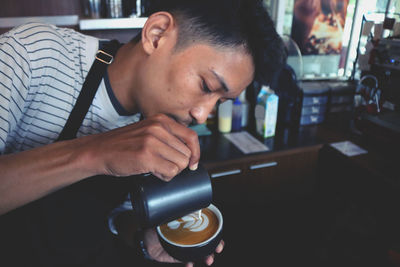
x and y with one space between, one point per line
156 30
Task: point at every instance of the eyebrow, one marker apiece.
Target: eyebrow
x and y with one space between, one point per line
221 81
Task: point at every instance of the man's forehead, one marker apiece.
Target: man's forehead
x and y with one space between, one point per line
221 80
232 67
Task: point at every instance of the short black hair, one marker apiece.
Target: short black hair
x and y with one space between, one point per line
229 23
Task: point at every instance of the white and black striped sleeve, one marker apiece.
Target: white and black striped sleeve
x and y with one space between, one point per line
15 76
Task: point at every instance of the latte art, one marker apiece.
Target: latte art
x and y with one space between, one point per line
191 229
192 222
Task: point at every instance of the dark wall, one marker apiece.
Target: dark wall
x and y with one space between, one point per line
19 8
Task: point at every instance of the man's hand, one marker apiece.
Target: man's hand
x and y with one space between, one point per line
157 252
157 145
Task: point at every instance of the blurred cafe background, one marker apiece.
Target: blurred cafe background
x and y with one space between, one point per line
310 161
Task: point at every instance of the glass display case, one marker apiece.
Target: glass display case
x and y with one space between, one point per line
329 64
324 56
372 25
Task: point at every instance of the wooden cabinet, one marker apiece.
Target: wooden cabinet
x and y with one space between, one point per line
267 199
264 179
358 206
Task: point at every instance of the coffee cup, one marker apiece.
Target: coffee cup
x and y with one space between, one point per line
194 236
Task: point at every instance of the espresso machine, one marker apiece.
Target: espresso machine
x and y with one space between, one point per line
383 126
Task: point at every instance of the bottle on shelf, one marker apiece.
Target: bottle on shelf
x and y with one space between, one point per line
114 8
225 116
93 9
244 109
237 115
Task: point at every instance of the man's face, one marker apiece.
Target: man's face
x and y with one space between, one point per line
186 84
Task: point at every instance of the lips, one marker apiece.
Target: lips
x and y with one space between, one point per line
186 122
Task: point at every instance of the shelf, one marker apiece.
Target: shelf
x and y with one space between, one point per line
111 24
388 66
73 20
11 22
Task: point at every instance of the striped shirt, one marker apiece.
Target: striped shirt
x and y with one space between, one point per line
42 70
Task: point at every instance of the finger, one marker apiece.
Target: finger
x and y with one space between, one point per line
162 168
162 159
186 135
169 259
166 136
192 141
189 264
210 260
176 160
171 154
220 247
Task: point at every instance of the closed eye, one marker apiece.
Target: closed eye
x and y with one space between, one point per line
205 88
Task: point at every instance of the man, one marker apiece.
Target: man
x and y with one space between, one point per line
189 56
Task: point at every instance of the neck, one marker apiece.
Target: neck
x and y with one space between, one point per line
122 76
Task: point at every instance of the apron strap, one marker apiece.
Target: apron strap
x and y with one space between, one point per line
69 227
104 57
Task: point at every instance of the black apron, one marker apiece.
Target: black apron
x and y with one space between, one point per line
69 227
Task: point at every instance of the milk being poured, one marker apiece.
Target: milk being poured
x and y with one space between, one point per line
199 214
194 222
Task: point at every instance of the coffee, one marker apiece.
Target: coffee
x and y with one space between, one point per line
191 229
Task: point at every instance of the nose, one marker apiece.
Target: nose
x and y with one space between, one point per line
201 111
